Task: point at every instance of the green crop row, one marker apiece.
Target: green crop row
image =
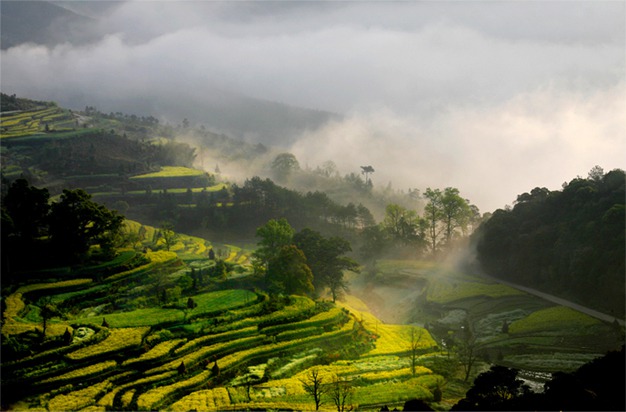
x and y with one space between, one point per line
327 318
217 338
298 333
203 400
80 399
171 171
118 340
158 396
108 399
156 258
274 348
208 352
207 304
155 397
161 350
86 372
301 307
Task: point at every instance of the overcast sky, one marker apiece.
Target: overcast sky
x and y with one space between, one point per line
494 98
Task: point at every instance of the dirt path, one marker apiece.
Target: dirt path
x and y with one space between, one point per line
560 301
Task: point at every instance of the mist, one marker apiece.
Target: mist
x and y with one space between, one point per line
492 98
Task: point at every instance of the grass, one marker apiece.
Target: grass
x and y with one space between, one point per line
447 291
203 400
559 317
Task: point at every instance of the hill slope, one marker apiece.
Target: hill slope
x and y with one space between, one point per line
39 22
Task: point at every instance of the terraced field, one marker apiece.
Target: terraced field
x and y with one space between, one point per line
41 120
508 326
230 350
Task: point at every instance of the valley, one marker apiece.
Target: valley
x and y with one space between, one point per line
176 304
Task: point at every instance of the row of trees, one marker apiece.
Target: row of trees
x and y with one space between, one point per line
305 262
567 242
36 231
242 208
447 217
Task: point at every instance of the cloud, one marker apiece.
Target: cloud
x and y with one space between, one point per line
404 56
492 97
542 138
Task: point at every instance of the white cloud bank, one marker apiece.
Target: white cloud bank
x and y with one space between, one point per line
492 154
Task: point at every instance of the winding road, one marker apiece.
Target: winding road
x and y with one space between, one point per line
560 301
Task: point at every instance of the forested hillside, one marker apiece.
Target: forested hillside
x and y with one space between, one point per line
568 242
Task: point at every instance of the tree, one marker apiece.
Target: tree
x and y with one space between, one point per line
28 209
313 384
328 169
25 214
284 165
596 174
367 171
48 311
455 212
166 232
67 337
325 257
433 213
191 305
402 224
274 235
564 242
493 390
288 272
466 350
414 345
77 223
340 392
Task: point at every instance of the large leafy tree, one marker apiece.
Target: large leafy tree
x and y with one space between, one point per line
455 212
77 223
273 236
327 260
284 165
403 224
26 209
288 272
445 213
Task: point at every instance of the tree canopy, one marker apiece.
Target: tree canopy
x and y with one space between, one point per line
565 242
288 272
77 223
273 236
35 231
325 257
303 262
